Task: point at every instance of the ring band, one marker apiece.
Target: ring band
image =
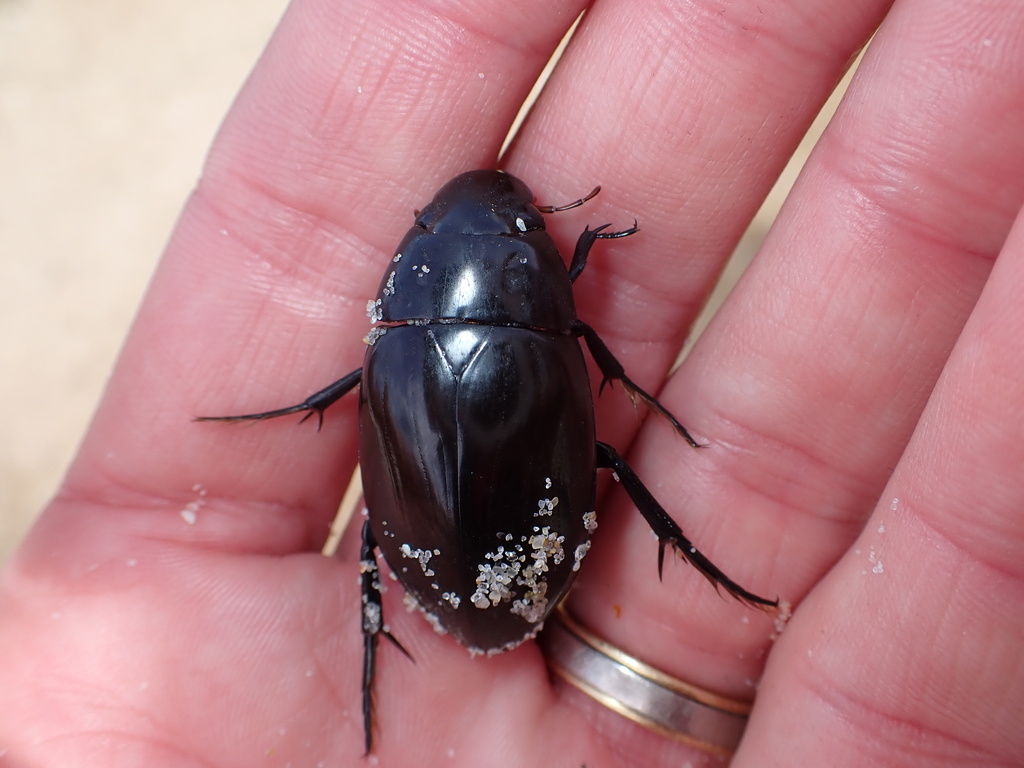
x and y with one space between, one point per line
640 692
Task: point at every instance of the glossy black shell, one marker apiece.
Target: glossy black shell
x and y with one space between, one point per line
477 435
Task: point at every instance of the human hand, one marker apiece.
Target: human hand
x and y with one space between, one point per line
847 435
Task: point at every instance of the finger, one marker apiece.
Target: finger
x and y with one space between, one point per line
909 651
821 363
354 115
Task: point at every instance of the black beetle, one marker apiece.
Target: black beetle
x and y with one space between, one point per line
476 435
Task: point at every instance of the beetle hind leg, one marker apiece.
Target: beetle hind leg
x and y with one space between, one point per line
668 531
316 403
373 627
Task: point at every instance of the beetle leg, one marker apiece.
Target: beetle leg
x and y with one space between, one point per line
668 531
373 625
586 242
612 370
316 403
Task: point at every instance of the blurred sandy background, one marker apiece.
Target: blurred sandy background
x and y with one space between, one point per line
107 108
106 111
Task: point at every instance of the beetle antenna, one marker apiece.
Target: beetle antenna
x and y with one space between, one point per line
569 206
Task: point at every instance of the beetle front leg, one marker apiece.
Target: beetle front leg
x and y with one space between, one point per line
373 625
586 242
612 370
668 531
316 403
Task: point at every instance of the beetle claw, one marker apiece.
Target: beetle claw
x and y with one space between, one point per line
398 645
617 234
319 417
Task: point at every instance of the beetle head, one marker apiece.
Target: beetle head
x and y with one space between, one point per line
482 203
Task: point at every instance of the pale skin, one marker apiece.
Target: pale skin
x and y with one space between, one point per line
859 394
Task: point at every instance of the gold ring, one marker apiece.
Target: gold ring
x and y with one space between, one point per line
636 690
